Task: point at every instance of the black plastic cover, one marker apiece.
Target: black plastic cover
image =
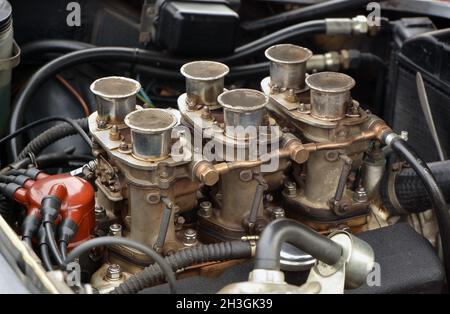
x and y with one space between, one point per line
205 28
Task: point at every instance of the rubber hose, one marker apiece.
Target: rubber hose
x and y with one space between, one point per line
198 254
410 191
39 47
282 35
291 231
440 208
50 136
303 14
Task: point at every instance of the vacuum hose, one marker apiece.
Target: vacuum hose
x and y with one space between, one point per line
198 254
287 230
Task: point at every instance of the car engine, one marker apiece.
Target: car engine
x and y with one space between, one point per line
231 147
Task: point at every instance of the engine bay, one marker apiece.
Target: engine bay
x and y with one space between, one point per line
231 147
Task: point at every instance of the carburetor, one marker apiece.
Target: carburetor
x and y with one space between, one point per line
228 162
245 145
325 190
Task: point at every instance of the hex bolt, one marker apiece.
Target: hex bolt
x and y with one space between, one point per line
291 96
190 237
113 272
277 213
205 209
360 195
115 230
290 188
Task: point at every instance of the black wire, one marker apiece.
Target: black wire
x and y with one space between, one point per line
310 12
282 35
50 237
63 249
106 241
45 256
45 120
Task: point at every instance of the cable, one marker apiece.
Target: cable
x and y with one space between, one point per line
182 259
39 47
75 94
50 236
63 249
283 35
399 146
45 256
45 120
102 241
303 14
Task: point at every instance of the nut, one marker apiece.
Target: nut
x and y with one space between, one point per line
190 237
290 188
277 213
360 195
113 272
205 209
115 230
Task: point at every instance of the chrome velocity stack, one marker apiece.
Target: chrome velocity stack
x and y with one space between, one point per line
115 98
243 108
330 94
204 82
288 66
151 133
